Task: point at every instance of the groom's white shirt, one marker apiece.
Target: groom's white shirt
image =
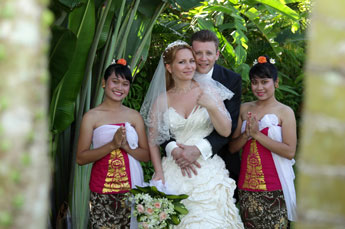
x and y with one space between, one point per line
204 145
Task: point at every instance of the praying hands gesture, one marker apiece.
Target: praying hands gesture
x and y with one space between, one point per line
252 126
119 139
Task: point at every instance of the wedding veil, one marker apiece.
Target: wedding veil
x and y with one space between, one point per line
155 106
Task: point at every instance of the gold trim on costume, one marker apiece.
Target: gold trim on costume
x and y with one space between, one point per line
117 177
254 178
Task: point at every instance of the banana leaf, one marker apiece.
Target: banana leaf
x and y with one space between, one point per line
283 8
254 16
62 48
186 5
143 31
82 24
107 24
70 4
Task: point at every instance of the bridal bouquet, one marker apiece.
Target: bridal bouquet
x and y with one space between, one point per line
155 209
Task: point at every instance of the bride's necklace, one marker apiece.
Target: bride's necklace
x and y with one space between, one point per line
183 90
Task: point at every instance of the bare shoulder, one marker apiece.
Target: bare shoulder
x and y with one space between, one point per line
91 114
133 113
245 107
90 118
285 112
133 116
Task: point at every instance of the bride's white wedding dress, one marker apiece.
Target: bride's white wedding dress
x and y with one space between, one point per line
210 202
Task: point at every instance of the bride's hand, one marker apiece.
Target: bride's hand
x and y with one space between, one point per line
158 176
205 100
189 169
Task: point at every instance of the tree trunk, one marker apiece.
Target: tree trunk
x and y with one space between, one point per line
321 163
24 166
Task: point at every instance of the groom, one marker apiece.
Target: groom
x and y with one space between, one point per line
205 45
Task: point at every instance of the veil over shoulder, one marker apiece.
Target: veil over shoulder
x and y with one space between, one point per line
216 90
154 107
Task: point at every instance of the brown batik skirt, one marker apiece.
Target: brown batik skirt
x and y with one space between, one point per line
263 210
109 211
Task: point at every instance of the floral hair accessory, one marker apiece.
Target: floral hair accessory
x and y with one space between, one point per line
262 59
122 62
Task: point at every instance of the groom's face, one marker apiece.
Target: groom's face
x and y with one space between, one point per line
206 54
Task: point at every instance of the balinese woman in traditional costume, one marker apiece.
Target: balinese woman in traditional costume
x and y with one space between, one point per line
119 142
266 133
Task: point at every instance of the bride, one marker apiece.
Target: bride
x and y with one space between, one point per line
186 109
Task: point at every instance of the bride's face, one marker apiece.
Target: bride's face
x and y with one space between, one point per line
183 67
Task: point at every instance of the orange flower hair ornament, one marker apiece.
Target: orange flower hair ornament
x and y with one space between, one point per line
120 61
263 60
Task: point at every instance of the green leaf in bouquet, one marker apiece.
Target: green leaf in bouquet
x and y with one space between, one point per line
175 219
140 218
144 189
177 197
180 208
135 191
156 192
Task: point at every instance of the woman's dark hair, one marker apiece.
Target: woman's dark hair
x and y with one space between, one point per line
263 69
120 70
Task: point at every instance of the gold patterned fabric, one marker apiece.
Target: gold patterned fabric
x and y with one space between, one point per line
117 179
254 178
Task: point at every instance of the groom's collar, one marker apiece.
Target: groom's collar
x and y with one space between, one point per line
206 75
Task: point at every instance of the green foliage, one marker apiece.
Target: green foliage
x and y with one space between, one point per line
63 45
82 24
247 29
137 92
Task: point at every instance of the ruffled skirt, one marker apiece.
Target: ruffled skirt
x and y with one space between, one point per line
210 202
